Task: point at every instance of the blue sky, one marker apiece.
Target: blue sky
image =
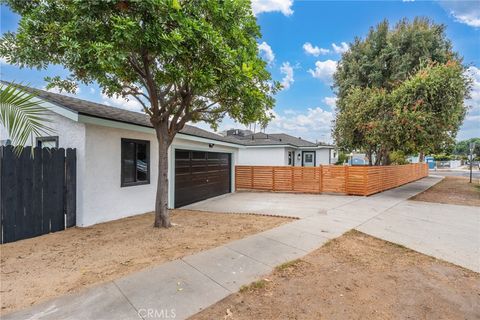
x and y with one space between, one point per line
302 40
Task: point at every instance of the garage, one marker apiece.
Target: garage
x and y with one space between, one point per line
200 175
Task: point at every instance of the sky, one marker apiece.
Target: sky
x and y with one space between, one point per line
302 42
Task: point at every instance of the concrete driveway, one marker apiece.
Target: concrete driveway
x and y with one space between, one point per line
283 204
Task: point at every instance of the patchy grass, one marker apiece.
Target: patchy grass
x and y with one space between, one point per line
452 190
287 265
260 284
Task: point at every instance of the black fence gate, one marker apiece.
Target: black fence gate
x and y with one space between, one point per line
37 192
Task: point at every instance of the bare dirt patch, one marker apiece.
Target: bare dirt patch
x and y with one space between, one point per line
37 269
357 277
452 190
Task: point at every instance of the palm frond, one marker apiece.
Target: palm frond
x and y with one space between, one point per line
22 115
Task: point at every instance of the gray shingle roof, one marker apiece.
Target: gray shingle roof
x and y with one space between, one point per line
98 110
261 138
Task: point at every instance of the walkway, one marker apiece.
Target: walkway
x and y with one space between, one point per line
184 287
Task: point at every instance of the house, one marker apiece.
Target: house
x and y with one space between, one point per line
117 157
280 149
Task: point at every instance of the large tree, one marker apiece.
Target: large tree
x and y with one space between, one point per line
399 89
182 60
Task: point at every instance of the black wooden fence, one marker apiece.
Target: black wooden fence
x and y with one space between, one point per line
37 192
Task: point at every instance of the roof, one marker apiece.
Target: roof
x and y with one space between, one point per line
271 139
102 111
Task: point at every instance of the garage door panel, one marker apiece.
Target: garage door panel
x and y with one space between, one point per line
200 175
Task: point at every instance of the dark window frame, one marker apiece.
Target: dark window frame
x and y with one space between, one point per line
122 177
46 138
291 158
314 157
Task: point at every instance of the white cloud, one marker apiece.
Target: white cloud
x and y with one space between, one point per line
324 70
471 124
92 90
314 50
312 124
474 101
467 12
343 47
117 101
330 101
287 70
284 6
266 52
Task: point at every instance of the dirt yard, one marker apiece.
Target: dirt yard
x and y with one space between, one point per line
357 277
37 269
452 190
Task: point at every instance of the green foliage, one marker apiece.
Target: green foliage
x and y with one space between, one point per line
462 147
400 89
442 157
22 115
183 60
342 158
398 158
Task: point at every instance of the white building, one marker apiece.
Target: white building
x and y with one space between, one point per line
279 149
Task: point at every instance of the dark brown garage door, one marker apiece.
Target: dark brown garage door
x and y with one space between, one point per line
200 175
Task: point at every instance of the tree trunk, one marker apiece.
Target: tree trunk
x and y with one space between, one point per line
162 217
421 157
369 156
386 158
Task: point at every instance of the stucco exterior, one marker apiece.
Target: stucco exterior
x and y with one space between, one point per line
104 198
278 156
100 197
263 156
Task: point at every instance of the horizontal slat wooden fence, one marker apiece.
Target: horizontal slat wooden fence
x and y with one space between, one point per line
354 180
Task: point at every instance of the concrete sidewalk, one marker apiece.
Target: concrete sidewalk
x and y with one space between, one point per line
181 288
447 232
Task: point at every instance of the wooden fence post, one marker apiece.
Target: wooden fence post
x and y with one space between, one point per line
346 179
321 178
365 181
251 177
273 178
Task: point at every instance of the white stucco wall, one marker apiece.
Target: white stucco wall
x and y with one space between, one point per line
262 156
322 157
104 198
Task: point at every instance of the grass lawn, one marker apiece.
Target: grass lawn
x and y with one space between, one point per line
452 190
357 277
34 270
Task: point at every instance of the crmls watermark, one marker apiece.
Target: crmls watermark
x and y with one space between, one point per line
151 313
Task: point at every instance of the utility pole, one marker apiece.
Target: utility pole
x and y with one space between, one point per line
471 147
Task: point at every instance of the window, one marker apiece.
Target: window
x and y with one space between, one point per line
291 158
135 162
47 142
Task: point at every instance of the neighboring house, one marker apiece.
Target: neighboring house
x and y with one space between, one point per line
279 149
